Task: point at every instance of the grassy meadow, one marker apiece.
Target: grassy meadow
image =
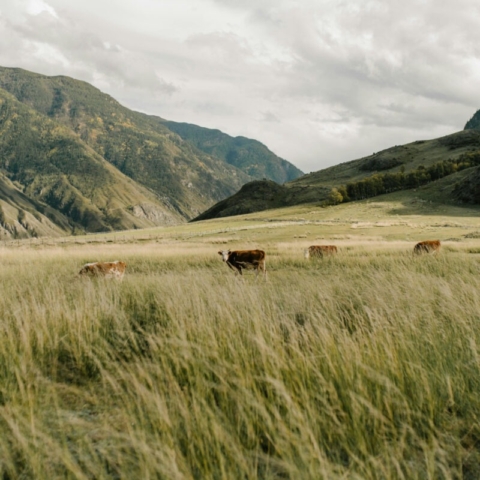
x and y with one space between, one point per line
361 366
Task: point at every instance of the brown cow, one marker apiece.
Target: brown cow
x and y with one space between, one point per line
320 251
427 246
240 259
104 269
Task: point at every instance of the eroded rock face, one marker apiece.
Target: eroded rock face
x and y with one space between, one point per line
154 214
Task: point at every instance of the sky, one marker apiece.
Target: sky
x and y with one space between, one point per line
319 82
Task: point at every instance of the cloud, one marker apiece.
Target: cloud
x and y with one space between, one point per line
36 7
269 117
319 82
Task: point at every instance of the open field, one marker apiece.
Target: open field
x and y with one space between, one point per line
364 365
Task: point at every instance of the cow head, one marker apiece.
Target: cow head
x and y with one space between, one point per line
224 254
306 253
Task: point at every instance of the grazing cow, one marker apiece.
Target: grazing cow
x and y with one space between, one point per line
320 251
427 246
239 259
104 269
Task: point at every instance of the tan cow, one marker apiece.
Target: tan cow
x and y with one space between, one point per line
104 269
245 259
427 246
320 251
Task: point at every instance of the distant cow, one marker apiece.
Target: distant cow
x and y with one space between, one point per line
427 246
320 251
240 259
104 269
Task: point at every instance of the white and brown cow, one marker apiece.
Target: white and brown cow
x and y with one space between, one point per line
245 259
320 251
104 269
427 246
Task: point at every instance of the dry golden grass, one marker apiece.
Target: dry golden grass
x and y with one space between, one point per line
365 365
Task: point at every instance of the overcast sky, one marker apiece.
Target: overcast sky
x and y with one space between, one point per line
318 81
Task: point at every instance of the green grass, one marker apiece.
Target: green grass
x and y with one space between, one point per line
365 365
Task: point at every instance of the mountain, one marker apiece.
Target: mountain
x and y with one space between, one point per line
474 122
183 178
396 168
250 156
468 189
103 166
46 165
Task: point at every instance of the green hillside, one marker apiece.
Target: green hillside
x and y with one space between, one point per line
395 159
468 189
398 168
52 167
250 156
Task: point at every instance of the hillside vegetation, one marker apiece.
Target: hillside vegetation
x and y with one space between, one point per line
398 168
250 156
52 167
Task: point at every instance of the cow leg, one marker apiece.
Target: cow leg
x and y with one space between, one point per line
235 268
263 266
239 270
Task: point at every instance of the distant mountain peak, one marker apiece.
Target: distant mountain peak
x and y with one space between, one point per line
474 122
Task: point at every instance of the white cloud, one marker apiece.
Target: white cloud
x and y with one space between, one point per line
36 7
48 53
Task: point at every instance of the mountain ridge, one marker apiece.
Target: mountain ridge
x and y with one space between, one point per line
237 151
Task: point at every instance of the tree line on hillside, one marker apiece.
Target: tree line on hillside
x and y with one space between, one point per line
381 183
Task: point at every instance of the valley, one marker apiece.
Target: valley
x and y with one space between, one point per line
361 363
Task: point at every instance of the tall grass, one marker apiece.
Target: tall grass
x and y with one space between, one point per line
366 365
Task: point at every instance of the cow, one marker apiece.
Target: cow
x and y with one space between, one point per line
320 251
245 259
104 269
427 246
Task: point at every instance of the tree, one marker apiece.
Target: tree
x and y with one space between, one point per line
343 192
335 197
